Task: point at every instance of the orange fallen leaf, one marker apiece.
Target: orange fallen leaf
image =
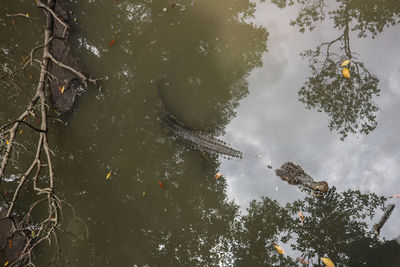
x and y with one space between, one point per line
301 217
112 42
160 184
279 249
13 22
9 243
346 73
327 262
108 175
218 175
23 59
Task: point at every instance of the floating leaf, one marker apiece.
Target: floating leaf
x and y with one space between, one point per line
108 175
112 42
345 63
328 262
160 184
346 73
218 175
303 261
301 217
279 249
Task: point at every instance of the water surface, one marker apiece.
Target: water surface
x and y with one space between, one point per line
235 70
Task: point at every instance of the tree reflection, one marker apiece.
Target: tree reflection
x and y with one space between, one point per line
334 226
348 102
258 231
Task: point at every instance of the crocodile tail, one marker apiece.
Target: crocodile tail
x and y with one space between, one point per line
204 143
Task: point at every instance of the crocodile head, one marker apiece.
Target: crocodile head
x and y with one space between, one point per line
320 186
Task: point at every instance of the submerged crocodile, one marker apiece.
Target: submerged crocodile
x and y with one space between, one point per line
197 140
294 174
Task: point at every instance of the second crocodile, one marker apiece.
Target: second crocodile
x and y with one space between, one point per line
294 174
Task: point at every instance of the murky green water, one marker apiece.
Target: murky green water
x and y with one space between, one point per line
235 70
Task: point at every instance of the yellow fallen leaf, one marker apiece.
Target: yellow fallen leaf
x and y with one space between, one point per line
345 63
346 73
108 175
279 249
27 15
20 132
61 89
144 193
7 142
23 59
6 263
32 234
328 262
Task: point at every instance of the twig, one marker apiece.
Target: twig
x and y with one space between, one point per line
66 26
